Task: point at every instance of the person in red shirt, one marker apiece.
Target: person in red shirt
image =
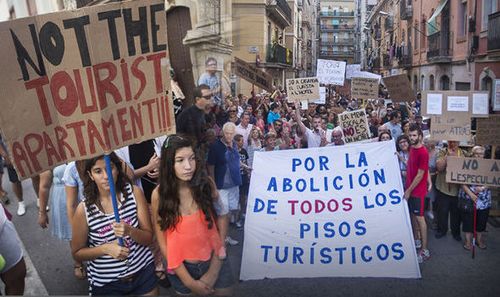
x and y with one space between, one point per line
416 185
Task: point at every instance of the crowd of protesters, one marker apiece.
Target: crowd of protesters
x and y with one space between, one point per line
179 195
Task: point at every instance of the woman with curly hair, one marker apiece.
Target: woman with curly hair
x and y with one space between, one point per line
185 222
113 269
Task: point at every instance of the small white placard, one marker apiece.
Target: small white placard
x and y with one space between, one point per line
480 103
458 103
434 103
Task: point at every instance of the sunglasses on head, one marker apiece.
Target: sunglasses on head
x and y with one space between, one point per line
167 141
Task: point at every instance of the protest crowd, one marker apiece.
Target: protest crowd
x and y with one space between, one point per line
180 194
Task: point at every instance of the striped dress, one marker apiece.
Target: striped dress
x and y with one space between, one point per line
106 269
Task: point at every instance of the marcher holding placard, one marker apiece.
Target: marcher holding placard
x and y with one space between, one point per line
481 196
447 194
113 269
185 222
315 136
417 187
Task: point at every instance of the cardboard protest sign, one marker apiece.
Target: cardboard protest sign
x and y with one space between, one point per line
364 88
322 96
253 74
80 83
299 89
330 72
450 113
450 127
473 171
473 103
488 130
399 88
328 212
354 125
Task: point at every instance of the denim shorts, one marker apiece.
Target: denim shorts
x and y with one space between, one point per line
142 282
225 279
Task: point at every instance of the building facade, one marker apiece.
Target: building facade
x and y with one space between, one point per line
439 44
337 30
300 37
259 38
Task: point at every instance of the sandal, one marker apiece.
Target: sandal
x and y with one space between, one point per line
481 246
79 272
467 247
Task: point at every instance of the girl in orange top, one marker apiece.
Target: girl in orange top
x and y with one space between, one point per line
185 223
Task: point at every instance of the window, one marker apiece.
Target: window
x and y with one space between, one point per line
422 82
462 86
489 7
423 34
415 36
445 83
431 82
462 19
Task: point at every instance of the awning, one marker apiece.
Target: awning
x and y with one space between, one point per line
432 24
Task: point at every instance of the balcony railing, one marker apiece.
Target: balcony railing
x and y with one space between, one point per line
280 9
338 41
406 57
375 63
330 54
405 9
494 31
341 27
279 54
440 50
387 60
337 13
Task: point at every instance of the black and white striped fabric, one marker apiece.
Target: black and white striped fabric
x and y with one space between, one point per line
106 269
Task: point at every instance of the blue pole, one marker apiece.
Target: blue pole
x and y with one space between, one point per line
109 171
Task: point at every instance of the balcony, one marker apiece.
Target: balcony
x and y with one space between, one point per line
338 41
375 63
337 14
386 60
279 55
389 23
494 31
280 11
405 10
406 59
341 27
337 54
439 50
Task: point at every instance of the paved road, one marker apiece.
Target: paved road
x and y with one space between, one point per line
449 272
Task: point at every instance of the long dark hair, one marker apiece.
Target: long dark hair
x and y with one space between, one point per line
90 189
200 185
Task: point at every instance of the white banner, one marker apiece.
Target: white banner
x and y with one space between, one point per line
328 212
366 74
330 72
351 69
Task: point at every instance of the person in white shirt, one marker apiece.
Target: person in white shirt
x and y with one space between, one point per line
315 136
244 128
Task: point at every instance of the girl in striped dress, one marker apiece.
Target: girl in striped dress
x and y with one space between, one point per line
113 269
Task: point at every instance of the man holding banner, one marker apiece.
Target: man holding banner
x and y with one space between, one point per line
416 181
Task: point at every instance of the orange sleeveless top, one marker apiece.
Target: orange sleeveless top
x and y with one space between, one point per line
192 240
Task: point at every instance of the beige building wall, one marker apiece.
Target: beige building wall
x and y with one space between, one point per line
253 31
